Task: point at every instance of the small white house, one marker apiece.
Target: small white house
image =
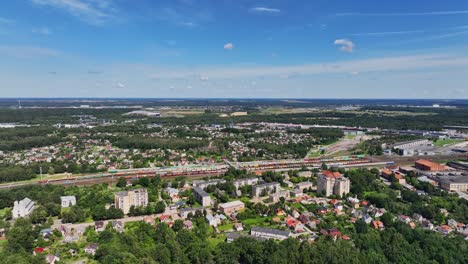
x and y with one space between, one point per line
68 201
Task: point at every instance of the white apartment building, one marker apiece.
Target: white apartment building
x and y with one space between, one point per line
22 208
125 200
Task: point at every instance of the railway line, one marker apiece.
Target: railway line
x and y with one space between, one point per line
217 169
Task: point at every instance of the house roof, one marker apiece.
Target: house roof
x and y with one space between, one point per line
330 174
270 231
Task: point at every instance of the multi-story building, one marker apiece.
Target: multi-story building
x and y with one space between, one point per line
304 185
22 208
271 187
333 183
124 200
231 207
203 184
201 196
242 182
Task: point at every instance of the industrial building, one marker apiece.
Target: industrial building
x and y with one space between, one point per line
413 144
428 165
454 183
125 200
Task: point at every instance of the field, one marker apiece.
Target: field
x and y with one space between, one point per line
446 142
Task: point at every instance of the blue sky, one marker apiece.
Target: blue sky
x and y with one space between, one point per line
234 48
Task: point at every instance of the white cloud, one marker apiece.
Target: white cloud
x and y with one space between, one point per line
345 45
42 30
184 19
434 13
264 10
120 85
384 33
25 52
6 21
228 46
204 78
188 24
385 64
95 12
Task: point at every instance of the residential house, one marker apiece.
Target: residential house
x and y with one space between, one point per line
188 224
68 201
404 218
91 248
214 220
418 218
238 227
444 229
51 259
118 226
269 233
366 219
99 226
378 225
46 233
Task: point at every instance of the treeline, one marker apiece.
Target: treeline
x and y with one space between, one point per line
141 142
143 243
27 137
15 173
320 132
434 121
57 115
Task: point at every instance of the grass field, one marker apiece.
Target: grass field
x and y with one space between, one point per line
214 241
4 211
441 143
225 227
255 221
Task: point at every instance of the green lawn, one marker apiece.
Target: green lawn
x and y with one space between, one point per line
2 244
255 221
4 211
441 142
225 227
213 241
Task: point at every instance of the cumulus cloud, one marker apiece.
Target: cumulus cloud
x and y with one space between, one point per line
264 10
345 45
228 46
